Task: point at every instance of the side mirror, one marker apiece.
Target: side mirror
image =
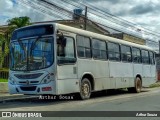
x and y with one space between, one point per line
61 40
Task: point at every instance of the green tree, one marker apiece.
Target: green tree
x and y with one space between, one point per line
18 22
13 24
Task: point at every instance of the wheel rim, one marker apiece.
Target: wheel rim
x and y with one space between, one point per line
138 85
85 89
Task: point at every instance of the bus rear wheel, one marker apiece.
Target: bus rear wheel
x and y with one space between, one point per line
138 86
85 89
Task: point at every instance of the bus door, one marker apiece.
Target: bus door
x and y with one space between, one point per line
66 62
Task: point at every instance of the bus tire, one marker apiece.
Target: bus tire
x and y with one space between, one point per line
85 89
138 86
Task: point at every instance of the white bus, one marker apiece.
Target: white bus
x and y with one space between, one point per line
51 58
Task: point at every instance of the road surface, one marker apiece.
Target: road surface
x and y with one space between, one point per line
148 100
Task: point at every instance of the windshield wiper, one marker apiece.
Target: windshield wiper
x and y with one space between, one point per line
34 45
25 51
20 43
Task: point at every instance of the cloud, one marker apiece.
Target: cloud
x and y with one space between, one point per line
10 9
117 1
144 9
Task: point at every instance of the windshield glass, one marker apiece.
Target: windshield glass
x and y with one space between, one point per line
31 54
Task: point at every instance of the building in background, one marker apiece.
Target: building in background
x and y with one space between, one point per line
129 38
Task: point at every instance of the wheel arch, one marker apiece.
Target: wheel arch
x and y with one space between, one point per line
90 77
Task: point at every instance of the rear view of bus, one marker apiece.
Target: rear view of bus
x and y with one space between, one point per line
32 64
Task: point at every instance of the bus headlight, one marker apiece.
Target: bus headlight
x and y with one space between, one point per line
11 80
46 79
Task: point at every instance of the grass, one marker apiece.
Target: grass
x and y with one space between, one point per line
157 84
4 69
4 72
3 80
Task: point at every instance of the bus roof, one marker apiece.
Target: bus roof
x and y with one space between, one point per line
101 37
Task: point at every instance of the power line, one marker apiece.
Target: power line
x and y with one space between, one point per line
103 18
38 8
119 18
111 27
51 4
104 25
49 7
103 13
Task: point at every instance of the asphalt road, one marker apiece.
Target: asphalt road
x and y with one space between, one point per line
148 100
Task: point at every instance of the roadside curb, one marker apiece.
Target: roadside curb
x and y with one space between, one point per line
16 98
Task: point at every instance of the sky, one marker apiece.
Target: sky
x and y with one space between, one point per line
11 8
142 12
145 13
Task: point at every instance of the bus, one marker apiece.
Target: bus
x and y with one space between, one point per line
55 59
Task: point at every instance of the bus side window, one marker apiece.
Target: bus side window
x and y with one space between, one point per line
113 51
145 57
136 55
99 50
83 47
65 50
126 53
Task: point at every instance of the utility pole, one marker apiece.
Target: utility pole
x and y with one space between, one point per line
85 19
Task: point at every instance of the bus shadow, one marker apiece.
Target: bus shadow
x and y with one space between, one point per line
54 100
113 92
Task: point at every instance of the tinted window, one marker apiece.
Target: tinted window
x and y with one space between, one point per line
145 57
99 49
66 53
126 53
33 31
136 55
83 47
113 51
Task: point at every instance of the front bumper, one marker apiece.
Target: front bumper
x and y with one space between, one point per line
32 89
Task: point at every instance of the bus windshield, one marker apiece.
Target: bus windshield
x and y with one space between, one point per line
31 54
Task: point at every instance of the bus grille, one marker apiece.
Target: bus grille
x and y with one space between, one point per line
32 88
28 76
31 82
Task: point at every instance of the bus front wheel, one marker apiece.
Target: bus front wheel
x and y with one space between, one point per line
85 89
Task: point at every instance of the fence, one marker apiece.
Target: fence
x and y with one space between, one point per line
4 70
6 62
4 74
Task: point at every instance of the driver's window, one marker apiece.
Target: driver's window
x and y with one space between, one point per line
65 50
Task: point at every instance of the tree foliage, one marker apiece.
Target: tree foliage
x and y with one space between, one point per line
18 22
2 40
13 24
